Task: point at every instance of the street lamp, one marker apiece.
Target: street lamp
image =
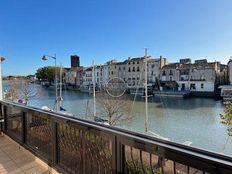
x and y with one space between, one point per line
1 93
45 57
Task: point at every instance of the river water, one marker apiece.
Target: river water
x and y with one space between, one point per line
193 119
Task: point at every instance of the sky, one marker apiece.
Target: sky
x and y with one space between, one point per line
104 29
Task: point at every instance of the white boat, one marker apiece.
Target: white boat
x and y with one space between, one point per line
226 92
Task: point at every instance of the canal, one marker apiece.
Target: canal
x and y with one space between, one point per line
193 119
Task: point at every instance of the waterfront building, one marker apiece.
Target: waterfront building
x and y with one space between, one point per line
135 72
132 70
117 69
70 76
200 76
87 78
203 76
154 66
170 72
101 76
230 71
73 75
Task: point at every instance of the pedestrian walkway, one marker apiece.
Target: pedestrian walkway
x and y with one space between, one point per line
14 159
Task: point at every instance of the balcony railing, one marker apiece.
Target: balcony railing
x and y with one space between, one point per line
74 145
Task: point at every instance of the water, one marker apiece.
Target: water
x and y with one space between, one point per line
193 119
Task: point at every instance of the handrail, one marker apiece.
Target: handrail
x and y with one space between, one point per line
145 141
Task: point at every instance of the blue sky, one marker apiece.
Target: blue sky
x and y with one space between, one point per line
105 29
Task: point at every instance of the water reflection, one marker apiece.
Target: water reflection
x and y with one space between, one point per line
193 119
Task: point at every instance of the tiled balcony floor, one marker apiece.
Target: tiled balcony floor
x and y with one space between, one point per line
14 159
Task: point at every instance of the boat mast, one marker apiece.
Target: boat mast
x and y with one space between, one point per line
60 98
94 94
146 107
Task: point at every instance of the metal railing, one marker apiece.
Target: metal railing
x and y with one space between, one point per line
73 145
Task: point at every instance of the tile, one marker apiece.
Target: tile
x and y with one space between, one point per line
15 159
29 165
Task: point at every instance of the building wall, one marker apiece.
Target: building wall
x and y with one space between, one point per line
203 86
70 77
230 72
87 78
154 69
135 72
169 74
200 74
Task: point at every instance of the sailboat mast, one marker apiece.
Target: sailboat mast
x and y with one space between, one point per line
94 94
60 98
146 107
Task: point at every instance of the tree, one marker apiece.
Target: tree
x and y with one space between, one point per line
46 73
28 91
22 90
115 109
13 92
227 117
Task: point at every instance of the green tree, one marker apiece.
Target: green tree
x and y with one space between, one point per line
46 73
226 117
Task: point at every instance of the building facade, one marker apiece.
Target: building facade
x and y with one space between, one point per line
200 76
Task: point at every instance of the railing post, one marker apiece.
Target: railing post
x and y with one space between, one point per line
119 155
24 128
5 118
54 143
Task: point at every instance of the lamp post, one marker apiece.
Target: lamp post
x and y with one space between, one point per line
1 92
45 57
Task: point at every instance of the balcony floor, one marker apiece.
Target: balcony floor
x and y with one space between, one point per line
14 159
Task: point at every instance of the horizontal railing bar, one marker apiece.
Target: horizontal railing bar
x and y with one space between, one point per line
127 135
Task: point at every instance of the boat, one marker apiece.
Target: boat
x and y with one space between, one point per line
101 120
226 92
45 84
58 101
140 91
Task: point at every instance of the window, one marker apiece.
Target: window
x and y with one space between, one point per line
153 65
133 69
112 72
202 86
137 68
138 62
170 78
124 68
170 73
164 73
129 70
129 63
133 63
192 86
119 68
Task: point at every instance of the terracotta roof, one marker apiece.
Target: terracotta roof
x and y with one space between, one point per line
134 59
171 66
